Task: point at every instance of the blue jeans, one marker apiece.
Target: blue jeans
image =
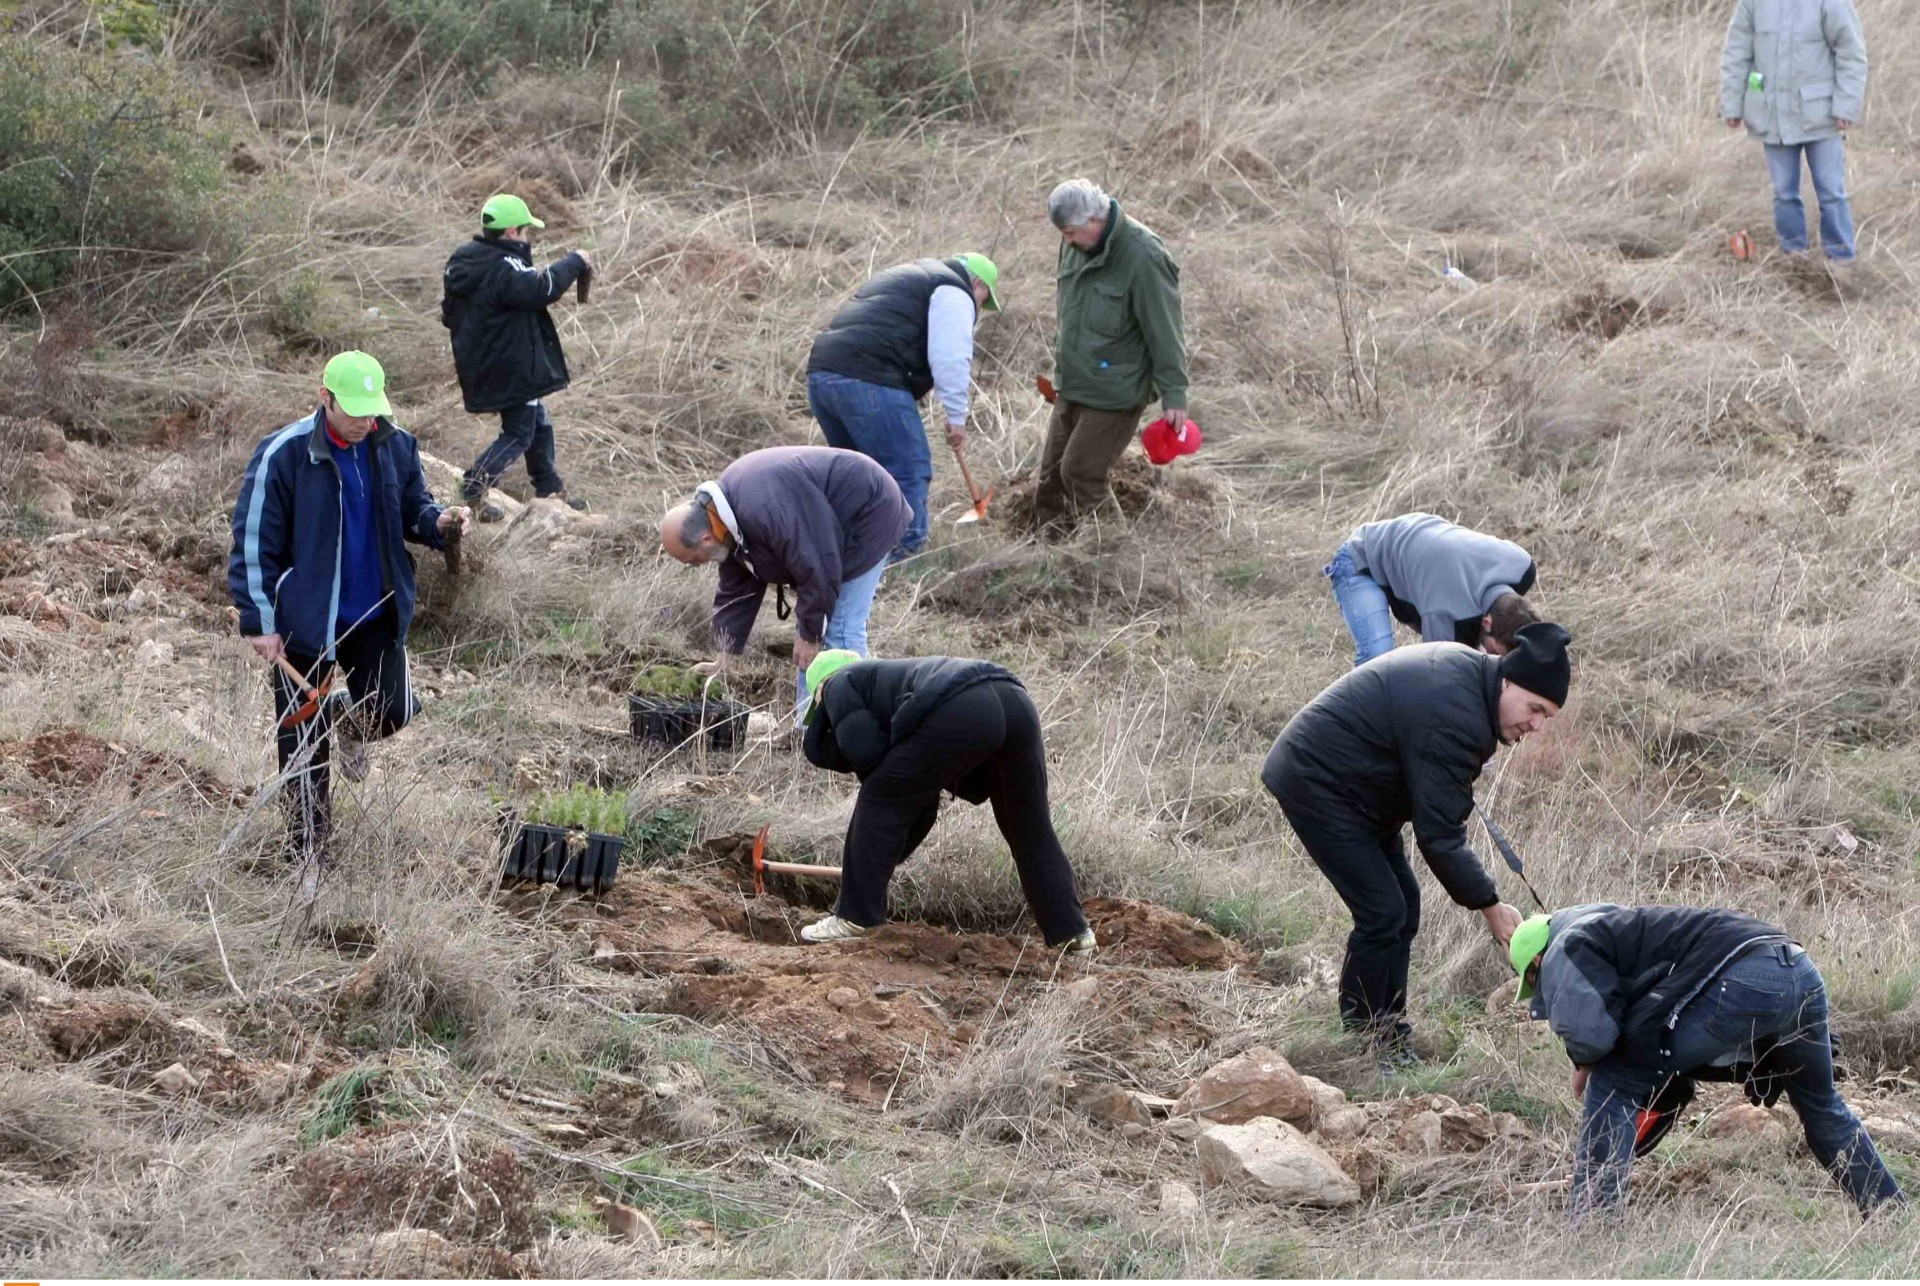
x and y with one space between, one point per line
524 430
847 627
1364 604
883 424
1827 162
1770 993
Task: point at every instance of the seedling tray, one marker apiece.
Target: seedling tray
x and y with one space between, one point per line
677 721
567 856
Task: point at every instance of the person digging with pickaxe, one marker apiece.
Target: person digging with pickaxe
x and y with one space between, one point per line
1403 739
906 332
321 580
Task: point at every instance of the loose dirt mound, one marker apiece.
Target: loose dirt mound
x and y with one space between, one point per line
89 772
1140 933
1138 486
865 1017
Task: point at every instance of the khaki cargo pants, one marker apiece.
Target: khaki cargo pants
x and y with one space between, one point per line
1081 449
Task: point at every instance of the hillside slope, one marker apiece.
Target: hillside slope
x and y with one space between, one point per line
1711 461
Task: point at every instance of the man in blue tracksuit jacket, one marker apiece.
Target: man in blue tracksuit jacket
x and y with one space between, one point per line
321 576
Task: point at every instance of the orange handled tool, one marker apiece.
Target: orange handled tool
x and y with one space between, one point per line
761 865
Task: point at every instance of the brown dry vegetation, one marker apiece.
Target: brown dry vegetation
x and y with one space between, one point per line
1712 461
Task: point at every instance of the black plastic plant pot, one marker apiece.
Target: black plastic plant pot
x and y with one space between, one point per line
600 866
676 721
536 853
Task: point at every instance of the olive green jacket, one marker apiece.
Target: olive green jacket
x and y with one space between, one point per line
1120 341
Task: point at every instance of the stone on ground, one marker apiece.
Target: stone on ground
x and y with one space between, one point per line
1254 1084
1274 1159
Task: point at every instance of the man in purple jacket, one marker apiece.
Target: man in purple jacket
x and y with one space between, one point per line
818 519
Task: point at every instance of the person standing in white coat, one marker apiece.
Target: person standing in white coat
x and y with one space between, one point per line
1794 72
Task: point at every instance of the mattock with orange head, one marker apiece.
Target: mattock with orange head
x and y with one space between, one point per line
313 698
761 865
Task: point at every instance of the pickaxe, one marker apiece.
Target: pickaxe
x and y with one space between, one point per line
1512 858
761 865
314 698
979 509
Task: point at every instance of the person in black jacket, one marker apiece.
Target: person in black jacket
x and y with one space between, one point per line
1402 739
1649 999
505 348
910 730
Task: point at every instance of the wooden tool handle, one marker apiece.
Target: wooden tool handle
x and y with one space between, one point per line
967 474
293 672
582 284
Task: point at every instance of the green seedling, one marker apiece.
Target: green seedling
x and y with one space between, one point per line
676 682
601 812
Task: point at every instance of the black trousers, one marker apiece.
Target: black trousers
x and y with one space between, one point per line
989 733
373 660
1371 874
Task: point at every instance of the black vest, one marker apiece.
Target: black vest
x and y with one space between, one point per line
880 335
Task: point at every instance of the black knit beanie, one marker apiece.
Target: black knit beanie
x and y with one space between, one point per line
1539 661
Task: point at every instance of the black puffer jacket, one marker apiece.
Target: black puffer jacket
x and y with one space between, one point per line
1400 739
505 348
872 706
1614 980
880 335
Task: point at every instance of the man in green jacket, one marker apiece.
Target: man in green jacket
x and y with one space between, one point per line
1794 72
1120 344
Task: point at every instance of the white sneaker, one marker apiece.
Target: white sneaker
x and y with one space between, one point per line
1082 944
833 929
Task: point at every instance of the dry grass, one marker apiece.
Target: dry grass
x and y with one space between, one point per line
1711 462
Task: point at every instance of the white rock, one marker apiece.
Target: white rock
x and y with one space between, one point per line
1179 1200
1274 1159
175 1079
1326 1098
1343 1123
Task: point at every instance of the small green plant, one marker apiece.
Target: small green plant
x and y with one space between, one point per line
676 681
355 1097
602 812
667 833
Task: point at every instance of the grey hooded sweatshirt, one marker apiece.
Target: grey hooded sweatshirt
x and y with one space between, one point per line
1441 576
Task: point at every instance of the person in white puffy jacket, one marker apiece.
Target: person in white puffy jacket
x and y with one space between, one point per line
1794 72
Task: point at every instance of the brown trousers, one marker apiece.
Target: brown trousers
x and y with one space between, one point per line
1081 449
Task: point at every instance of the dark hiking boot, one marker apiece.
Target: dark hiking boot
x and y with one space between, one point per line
1082 943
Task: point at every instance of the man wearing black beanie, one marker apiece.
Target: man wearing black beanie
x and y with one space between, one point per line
1402 739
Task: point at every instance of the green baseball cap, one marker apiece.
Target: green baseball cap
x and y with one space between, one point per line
507 211
824 667
1529 940
985 269
357 384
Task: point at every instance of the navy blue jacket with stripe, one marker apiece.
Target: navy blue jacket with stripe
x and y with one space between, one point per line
284 573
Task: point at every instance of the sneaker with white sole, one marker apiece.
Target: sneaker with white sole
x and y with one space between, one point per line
1082 943
833 929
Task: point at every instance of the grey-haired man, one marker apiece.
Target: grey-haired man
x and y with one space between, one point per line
1120 343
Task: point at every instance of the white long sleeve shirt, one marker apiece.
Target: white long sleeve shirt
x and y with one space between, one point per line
950 318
